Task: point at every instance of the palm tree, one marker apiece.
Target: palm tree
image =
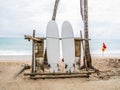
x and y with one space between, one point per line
84 14
86 35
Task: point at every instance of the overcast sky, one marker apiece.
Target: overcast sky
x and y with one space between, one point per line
20 17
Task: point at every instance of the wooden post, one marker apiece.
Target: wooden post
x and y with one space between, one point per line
33 53
84 57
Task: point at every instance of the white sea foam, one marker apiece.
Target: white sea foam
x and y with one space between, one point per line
106 53
13 52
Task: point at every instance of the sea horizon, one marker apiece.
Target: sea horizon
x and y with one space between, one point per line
13 48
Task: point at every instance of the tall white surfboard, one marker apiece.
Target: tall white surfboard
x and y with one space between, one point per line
53 45
68 45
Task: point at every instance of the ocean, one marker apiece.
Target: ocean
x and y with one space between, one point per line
19 48
15 46
15 49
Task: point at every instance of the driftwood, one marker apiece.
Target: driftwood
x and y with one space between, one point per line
24 67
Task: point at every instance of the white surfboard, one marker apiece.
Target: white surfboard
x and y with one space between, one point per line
68 45
53 46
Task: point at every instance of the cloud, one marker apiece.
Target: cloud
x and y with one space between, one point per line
19 17
104 19
106 10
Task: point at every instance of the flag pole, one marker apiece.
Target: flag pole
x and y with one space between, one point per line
102 53
103 49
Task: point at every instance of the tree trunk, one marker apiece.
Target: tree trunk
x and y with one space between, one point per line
86 35
55 10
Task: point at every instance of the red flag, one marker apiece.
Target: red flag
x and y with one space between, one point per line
104 47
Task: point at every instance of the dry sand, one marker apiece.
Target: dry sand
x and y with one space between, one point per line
104 81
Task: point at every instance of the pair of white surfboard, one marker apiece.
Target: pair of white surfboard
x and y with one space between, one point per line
53 45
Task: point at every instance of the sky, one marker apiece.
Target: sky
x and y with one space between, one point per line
21 17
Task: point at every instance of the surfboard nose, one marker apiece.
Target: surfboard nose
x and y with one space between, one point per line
67 30
53 27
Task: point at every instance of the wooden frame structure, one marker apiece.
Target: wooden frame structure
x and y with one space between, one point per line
38 60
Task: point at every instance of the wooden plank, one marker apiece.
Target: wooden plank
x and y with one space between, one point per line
77 48
60 76
85 72
34 38
39 38
39 49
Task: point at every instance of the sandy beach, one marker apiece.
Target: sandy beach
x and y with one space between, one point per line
108 80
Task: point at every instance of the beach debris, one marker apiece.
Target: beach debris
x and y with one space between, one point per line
23 67
114 63
107 75
114 71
